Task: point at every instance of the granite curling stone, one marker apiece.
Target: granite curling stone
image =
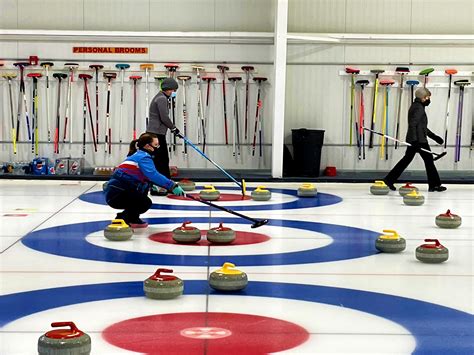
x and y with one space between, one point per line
261 194
220 235
406 189
432 253
307 190
118 230
163 287
391 242
209 193
448 220
71 341
413 198
187 185
379 188
186 234
228 278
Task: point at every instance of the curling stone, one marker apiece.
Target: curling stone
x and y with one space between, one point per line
228 278
186 234
187 185
379 188
163 287
406 189
261 194
448 220
118 230
70 341
209 193
220 235
432 253
307 190
413 199
390 242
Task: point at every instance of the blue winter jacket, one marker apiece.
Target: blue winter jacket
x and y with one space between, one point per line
136 173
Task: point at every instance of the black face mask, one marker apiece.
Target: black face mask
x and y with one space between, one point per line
426 103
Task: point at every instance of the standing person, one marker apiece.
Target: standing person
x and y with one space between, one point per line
158 124
416 136
128 187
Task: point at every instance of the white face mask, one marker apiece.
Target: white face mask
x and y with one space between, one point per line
173 94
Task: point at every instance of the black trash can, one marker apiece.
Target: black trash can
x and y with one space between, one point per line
307 145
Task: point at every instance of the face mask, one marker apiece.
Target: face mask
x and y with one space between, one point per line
426 103
173 94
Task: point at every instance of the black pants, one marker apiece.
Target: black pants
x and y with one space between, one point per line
132 202
431 172
161 157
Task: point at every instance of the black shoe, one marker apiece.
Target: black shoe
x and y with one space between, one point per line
137 223
437 188
390 185
120 216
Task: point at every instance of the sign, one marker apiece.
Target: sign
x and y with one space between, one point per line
111 50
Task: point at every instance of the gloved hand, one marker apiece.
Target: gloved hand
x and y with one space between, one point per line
178 191
175 131
438 139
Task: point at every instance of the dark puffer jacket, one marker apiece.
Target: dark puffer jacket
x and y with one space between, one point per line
418 124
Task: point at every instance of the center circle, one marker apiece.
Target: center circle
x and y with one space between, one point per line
214 333
241 238
222 197
205 333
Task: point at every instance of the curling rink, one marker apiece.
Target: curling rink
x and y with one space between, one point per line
317 284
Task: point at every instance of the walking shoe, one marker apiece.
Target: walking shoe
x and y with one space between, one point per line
138 223
437 188
390 185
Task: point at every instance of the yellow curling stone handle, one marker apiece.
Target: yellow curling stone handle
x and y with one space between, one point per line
229 269
261 188
209 188
413 193
391 234
118 224
379 183
307 185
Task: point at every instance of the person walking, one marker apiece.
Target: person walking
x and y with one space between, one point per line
128 186
417 136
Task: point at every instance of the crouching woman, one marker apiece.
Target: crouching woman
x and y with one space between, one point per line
128 187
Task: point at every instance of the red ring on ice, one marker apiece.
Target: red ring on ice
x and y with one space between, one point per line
214 334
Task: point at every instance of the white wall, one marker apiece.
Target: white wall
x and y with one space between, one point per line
317 96
159 54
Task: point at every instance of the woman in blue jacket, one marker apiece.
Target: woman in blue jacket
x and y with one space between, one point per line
128 187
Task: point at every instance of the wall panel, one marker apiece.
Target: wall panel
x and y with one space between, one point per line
9 14
51 14
316 16
244 15
182 15
443 17
117 15
378 16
